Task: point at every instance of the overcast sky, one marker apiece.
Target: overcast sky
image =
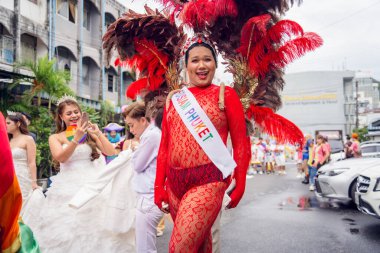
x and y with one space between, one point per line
350 30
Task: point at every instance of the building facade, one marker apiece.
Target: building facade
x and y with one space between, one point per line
71 31
330 100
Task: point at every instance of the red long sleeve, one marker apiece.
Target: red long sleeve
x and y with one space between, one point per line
162 158
237 129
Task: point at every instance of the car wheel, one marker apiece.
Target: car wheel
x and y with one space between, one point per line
353 190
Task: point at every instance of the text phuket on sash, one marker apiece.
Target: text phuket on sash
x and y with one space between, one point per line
193 118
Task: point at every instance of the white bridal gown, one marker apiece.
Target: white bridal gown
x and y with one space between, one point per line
31 200
20 161
84 230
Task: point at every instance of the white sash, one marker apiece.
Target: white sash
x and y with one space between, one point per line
202 129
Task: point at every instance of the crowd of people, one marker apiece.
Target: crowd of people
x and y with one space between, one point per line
316 153
267 157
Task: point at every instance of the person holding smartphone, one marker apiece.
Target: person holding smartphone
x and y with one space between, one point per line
77 146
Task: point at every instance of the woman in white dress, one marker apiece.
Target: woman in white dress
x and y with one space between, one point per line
24 155
115 184
64 229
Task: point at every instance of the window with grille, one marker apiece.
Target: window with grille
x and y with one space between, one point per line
86 17
110 83
28 47
67 8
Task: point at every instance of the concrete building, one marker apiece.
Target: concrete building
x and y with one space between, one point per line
30 29
326 100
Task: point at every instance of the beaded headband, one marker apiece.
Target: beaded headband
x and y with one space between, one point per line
199 39
66 98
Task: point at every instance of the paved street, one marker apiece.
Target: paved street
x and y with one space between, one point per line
279 214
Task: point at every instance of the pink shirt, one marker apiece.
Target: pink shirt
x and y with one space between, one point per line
355 148
319 152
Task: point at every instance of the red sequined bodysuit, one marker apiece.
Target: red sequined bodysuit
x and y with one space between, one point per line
193 181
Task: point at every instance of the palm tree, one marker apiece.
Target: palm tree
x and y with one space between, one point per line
46 79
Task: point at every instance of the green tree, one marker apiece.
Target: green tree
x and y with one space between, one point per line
42 125
363 134
93 115
107 113
46 78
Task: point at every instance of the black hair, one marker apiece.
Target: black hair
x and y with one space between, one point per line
23 126
27 115
159 118
201 45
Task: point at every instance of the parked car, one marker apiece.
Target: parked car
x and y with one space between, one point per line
337 156
367 196
338 180
370 149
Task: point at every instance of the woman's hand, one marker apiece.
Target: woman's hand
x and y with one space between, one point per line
169 97
80 131
134 145
34 185
93 130
161 198
236 195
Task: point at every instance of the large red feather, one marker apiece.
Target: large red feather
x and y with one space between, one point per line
285 54
275 125
197 14
252 32
153 58
153 62
226 8
136 87
283 30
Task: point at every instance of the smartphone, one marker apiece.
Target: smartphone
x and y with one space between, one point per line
84 118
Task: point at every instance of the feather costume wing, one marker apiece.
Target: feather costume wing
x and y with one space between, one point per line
146 42
256 54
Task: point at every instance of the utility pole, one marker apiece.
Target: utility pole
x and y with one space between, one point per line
357 105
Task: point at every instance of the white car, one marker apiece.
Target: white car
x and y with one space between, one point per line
338 180
367 196
370 149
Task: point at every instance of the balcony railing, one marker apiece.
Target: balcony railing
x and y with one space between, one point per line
6 49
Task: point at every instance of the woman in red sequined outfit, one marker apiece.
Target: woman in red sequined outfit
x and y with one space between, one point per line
186 178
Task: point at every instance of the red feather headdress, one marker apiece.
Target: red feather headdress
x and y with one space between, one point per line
248 34
148 43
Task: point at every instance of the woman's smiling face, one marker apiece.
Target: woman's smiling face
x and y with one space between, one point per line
201 66
71 115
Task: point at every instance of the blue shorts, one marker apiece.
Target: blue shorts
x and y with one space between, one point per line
305 156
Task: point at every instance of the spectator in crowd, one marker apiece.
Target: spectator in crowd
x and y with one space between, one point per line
280 159
24 155
306 158
320 157
355 147
298 159
347 149
260 146
328 147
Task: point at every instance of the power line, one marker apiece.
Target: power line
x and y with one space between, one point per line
348 16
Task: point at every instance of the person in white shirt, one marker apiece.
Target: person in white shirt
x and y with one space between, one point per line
144 159
280 159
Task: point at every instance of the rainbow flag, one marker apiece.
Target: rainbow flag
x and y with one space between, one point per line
70 132
10 196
